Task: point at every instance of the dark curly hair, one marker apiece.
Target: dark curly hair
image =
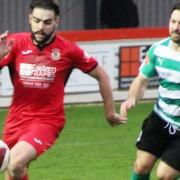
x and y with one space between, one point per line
45 4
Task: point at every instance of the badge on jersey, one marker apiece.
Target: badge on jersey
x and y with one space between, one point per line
55 54
87 56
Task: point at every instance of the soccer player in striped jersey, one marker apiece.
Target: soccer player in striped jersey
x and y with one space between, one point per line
160 134
40 63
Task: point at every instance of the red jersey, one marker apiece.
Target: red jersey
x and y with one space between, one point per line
39 77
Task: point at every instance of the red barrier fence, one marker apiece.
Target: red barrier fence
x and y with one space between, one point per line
114 34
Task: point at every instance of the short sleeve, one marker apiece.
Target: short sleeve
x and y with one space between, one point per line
147 68
81 59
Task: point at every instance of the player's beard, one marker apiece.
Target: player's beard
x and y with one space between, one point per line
45 40
175 36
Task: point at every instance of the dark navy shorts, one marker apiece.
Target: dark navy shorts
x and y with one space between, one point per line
159 138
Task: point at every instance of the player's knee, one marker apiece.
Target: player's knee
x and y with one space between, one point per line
16 169
165 175
166 172
142 167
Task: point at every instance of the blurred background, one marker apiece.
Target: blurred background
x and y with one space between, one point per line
85 14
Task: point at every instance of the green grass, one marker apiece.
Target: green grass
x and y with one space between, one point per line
90 149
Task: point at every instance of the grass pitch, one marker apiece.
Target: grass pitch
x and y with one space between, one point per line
90 149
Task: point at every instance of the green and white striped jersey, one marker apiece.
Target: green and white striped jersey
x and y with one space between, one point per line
163 61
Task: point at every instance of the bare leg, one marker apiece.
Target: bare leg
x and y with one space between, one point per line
21 155
144 162
166 172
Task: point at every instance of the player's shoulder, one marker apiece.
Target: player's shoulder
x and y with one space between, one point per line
19 36
20 40
65 42
163 42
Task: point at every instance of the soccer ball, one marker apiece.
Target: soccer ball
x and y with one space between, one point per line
4 155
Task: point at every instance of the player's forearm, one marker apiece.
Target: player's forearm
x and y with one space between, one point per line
105 89
106 93
137 89
5 46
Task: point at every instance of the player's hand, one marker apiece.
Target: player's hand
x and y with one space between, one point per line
125 106
5 46
4 36
116 119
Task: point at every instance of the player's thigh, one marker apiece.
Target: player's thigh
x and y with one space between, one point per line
152 138
164 171
22 153
170 158
144 161
41 137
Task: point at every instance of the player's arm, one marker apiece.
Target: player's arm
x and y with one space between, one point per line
106 92
136 92
5 46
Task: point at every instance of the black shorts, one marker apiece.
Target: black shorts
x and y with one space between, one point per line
160 139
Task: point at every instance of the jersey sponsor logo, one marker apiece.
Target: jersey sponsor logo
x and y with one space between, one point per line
87 56
37 71
55 54
36 76
38 141
26 52
164 75
160 60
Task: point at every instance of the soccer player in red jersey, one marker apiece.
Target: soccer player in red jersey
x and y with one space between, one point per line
40 63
